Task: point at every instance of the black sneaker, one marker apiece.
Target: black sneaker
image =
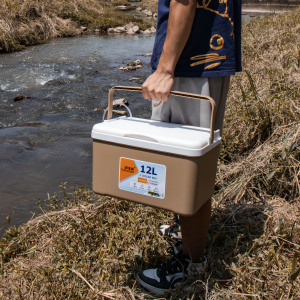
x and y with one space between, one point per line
176 249
169 274
170 231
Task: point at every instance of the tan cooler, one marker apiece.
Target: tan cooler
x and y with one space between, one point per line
169 166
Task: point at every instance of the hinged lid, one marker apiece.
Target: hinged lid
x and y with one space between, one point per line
155 135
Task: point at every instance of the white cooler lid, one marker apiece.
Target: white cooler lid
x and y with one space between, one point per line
155 135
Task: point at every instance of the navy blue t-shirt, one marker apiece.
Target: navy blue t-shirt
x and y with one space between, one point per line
214 46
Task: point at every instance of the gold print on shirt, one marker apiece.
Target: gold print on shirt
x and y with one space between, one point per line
216 41
223 13
207 58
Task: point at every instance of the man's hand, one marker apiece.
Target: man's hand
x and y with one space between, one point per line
181 17
158 86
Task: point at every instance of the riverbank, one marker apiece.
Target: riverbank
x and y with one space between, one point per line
90 247
29 22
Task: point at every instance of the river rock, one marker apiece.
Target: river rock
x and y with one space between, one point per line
118 102
133 30
129 26
116 30
153 29
127 68
130 31
56 82
139 8
120 29
131 66
83 28
118 112
135 79
147 31
20 97
135 63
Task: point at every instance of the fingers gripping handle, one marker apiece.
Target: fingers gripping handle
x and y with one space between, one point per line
174 93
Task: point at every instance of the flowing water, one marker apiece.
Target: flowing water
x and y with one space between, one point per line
45 139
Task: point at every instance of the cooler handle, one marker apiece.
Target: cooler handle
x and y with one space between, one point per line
174 93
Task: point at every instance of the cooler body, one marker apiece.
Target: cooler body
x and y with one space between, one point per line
149 169
189 180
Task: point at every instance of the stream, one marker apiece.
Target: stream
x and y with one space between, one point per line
45 138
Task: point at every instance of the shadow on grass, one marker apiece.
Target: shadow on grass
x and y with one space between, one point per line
232 233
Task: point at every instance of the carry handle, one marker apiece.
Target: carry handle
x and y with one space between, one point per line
174 93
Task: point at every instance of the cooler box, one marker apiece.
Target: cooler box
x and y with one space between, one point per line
169 166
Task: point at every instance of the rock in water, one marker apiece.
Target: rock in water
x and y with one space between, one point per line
147 31
129 26
20 97
135 29
119 29
135 79
118 102
135 63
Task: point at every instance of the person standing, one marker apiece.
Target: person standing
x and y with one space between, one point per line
197 48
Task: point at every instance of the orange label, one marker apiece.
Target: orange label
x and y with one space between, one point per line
127 168
143 180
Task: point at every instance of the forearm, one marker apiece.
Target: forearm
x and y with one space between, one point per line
181 17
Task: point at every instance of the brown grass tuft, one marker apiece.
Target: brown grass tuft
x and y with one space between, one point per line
266 95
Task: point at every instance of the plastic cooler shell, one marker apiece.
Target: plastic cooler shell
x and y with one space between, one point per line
183 154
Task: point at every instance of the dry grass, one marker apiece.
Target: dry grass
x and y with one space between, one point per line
30 22
149 5
266 95
91 247
272 168
80 249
